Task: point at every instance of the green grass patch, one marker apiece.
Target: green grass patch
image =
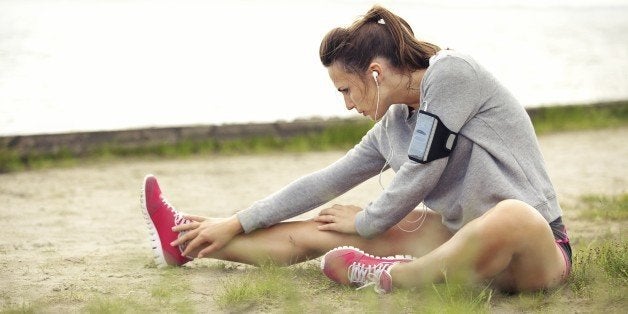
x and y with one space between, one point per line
13 161
23 308
104 305
600 274
172 291
336 135
455 298
266 287
598 281
605 207
169 294
292 289
579 117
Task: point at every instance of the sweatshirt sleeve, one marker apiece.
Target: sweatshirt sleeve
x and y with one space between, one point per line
450 91
308 192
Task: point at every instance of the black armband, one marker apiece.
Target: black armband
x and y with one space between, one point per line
431 139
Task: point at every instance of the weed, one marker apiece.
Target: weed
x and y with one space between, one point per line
600 268
168 294
612 257
604 207
172 291
23 308
112 305
262 287
452 297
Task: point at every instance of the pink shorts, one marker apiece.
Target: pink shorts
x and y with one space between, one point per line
562 240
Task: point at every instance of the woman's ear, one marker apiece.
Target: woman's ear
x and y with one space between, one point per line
375 70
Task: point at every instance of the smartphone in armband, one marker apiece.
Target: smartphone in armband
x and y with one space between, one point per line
431 139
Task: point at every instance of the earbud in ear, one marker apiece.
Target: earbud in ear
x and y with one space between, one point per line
375 74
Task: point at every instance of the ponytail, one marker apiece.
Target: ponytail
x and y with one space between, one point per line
379 33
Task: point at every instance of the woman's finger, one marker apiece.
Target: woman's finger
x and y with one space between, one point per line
328 211
195 218
186 227
208 250
190 235
192 245
328 227
325 218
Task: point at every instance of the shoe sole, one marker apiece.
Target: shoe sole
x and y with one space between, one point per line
155 242
396 257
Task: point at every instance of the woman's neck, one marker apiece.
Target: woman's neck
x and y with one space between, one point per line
409 89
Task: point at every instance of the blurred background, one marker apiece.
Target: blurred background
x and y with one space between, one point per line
91 65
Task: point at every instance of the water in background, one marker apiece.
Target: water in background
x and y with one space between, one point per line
100 65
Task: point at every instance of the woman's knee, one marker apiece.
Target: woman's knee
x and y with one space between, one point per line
538 263
516 214
511 220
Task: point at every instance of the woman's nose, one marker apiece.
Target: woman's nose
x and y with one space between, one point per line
349 104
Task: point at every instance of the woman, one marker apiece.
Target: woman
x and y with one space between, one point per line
458 142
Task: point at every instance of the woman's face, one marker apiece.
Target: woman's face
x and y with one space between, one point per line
357 95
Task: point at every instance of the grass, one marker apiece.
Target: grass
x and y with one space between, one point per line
170 293
602 268
269 286
112 305
598 282
604 265
293 288
23 308
605 207
571 118
336 135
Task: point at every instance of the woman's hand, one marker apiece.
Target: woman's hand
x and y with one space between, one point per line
211 232
339 218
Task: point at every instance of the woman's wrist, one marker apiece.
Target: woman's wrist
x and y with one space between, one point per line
234 225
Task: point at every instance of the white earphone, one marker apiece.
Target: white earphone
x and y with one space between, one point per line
388 159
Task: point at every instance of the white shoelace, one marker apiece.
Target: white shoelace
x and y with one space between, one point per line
367 275
178 216
178 220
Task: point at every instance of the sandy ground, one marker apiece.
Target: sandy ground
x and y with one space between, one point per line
70 234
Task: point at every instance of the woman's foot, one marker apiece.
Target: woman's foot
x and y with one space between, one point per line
161 217
350 266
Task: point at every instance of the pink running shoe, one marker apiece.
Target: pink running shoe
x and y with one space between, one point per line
161 217
350 266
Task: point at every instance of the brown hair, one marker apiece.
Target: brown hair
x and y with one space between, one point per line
379 33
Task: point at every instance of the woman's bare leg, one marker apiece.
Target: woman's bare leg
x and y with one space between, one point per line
511 244
293 242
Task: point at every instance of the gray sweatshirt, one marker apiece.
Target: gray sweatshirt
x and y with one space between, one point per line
497 157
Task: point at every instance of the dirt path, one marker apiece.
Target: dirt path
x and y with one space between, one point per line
69 235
